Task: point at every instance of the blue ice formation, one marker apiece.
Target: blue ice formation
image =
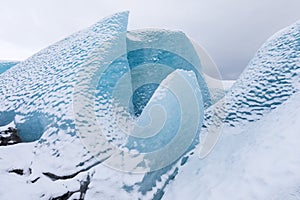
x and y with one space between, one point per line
154 54
5 65
270 78
37 93
110 87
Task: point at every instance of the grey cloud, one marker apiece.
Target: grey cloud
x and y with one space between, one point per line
230 30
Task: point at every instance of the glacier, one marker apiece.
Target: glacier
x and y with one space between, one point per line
169 129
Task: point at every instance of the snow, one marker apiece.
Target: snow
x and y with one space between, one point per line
260 161
227 84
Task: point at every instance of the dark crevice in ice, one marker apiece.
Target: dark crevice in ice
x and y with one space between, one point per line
55 177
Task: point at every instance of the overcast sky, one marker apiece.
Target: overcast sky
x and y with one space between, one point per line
230 30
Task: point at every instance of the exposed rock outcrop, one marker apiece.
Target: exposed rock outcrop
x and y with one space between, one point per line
9 137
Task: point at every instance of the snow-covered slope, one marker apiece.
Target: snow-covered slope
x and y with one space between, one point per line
257 161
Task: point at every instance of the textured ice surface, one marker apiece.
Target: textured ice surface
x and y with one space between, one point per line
40 95
271 77
37 94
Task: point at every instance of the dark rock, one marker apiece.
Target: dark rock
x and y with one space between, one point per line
35 180
17 171
9 137
21 172
84 186
65 196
